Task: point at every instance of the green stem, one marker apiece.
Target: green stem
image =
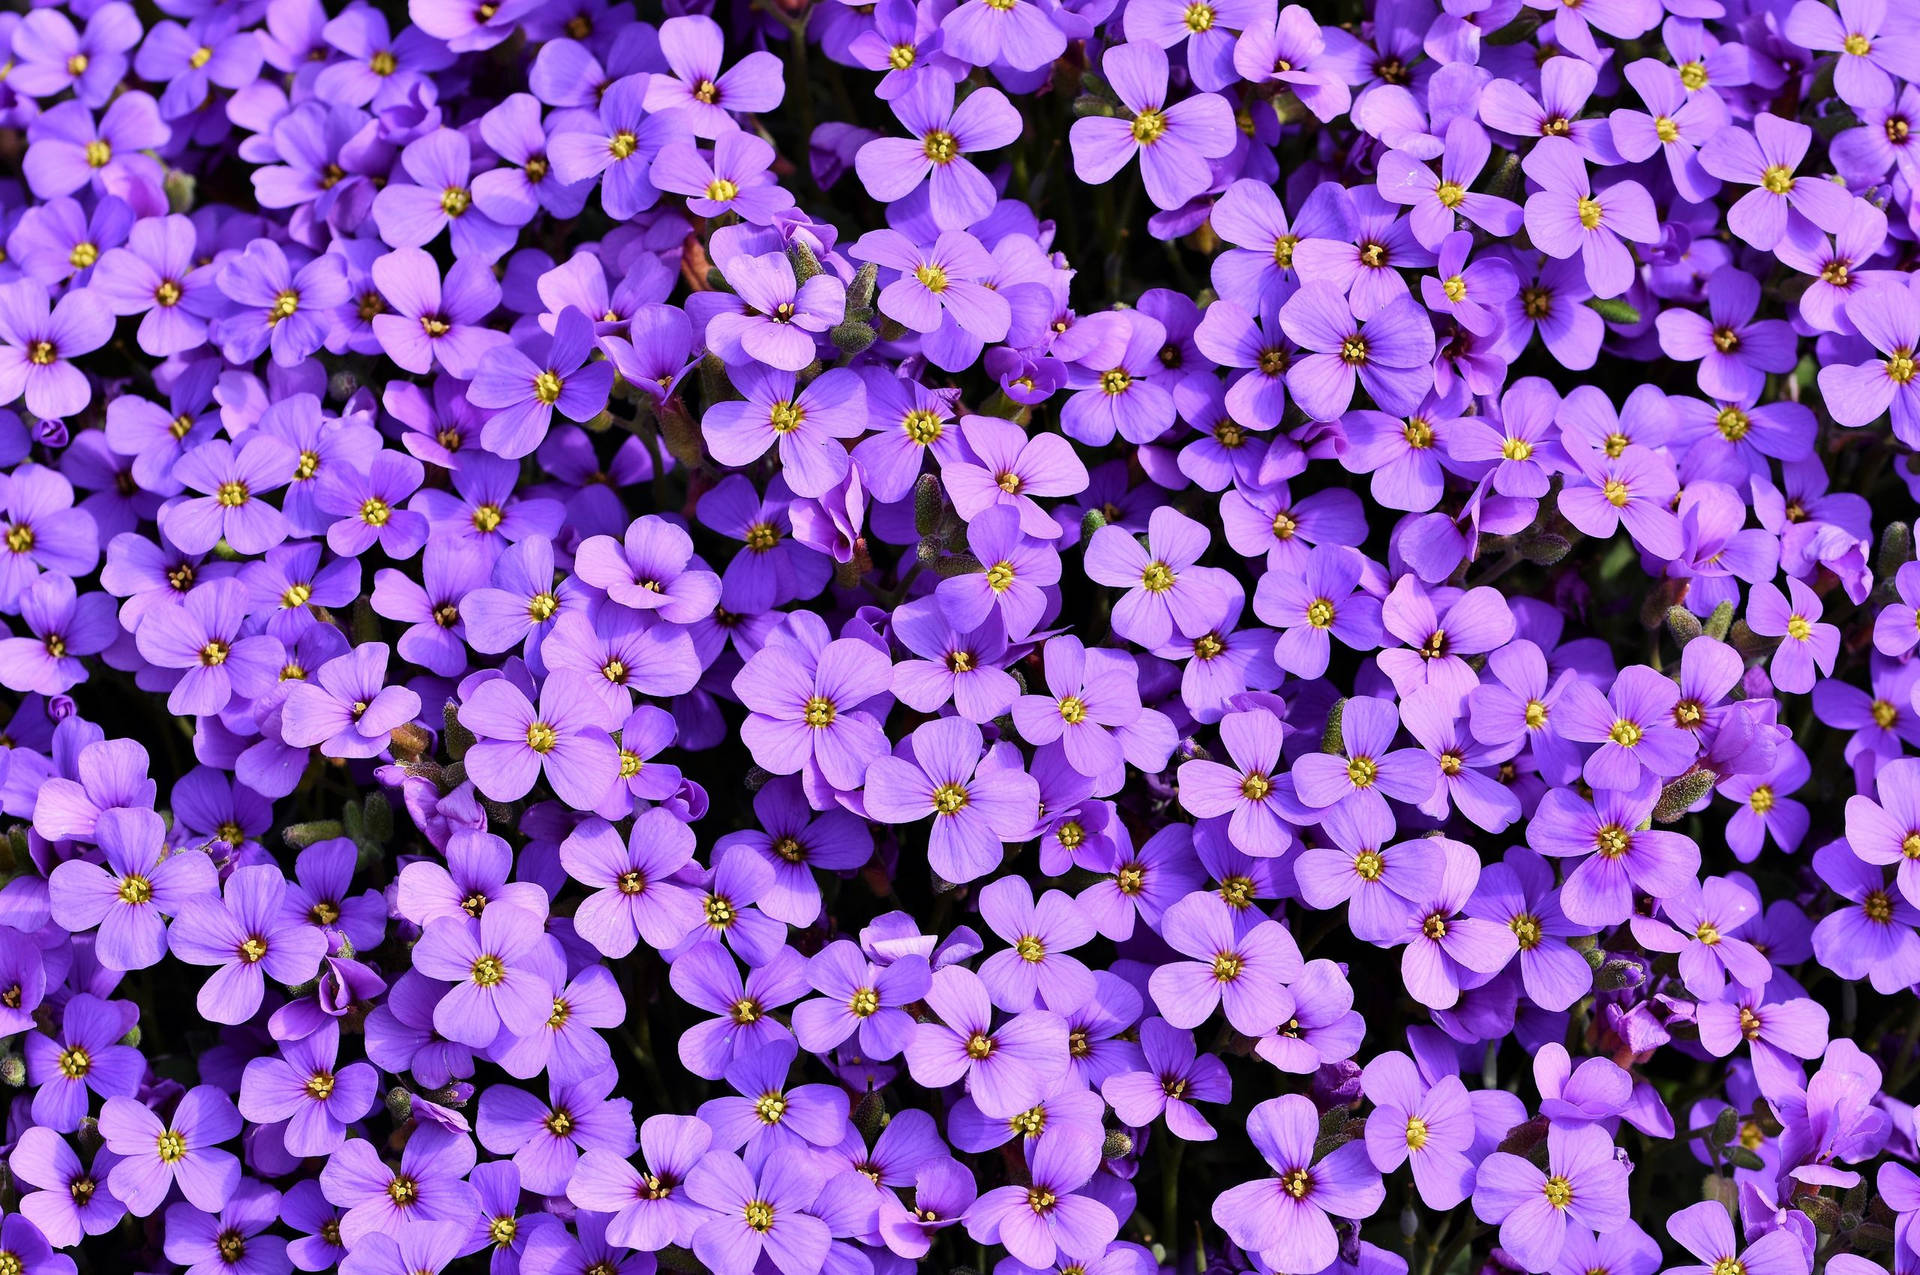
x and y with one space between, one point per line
1170 1151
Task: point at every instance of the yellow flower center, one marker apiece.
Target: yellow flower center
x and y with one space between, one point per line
542 738
941 146
547 387
785 417
1158 577
488 971
1778 179
1148 127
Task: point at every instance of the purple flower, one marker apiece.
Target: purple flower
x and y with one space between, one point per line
1428 1126
1387 355
1164 586
1039 1222
565 740
499 970
252 932
652 1210
182 1150
1364 772
1021 33
1887 831
977 802
545 1139
1174 141
281 303
1859 394
67 150
65 627
1635 726
1806 643
1583 1183
634 893
1567 216
1706 1231
524 393
378 1199
1239 968
72 1200
697 91
83 1057
139 885
1284 1218
1436 201
758 1214
307 1088
939 292
1872 50
202 638
1618 856
806 704
41 342
1007 1068
1765 159
806 425
348 710
960 195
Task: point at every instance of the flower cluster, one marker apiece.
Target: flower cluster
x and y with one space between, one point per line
688 637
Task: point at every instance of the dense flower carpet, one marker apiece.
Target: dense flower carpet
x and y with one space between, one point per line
810 637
